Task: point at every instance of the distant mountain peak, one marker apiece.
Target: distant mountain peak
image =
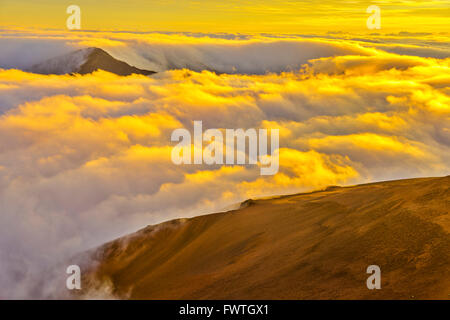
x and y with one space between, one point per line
84 61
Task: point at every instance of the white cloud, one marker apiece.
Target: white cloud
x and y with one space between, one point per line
87 158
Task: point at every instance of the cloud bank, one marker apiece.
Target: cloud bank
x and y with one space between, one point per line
222 53
84 159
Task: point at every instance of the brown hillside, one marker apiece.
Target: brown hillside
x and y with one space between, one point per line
306 246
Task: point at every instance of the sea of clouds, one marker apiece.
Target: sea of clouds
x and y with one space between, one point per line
85 159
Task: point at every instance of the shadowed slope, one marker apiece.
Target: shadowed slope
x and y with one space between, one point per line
100 59
85 61
306 246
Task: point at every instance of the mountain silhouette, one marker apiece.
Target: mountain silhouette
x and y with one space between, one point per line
86 61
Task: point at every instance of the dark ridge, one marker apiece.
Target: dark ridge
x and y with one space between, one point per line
99 59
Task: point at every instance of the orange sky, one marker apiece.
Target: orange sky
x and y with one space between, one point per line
276 16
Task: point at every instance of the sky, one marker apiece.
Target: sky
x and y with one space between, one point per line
85 159
244 16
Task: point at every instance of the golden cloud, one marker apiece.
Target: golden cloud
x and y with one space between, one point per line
90 155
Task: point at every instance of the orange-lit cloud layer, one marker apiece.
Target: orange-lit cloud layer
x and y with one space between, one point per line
84 159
